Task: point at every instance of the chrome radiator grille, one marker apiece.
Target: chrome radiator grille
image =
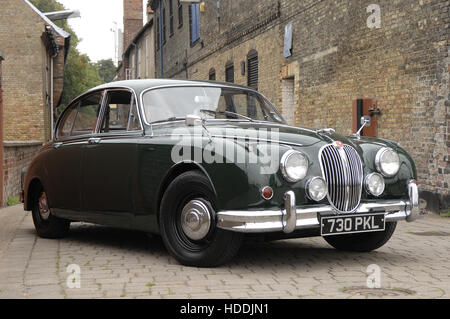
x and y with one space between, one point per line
342 169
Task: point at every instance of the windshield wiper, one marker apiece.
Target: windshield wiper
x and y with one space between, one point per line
227 113
170 119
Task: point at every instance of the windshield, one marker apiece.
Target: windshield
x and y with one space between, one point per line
175 103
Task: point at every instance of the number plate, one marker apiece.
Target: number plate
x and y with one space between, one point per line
350 224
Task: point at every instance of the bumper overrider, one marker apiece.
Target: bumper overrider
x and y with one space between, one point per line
294 217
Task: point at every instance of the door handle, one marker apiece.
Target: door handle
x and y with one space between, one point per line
93 141
57 145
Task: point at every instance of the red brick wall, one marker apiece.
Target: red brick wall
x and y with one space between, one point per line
1 132
16 157
133 21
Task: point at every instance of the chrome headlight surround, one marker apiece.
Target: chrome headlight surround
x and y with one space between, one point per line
367 183
288 171
314 182
380 161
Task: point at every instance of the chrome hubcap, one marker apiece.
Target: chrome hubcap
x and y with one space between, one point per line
44 211
196 219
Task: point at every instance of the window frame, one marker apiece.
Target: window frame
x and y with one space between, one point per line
212 73
103 110
252 56
96 131
196 26
207 85
180 14
71 105
229 66
171 19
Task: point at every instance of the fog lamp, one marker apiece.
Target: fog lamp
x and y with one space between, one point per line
317 188
374 184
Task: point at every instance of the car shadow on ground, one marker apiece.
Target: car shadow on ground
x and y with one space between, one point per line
309 252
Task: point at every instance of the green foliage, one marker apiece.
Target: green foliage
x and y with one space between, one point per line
106 70
445 214
13 200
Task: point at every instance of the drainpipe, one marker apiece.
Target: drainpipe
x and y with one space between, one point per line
161 53
51 99
52 104
1 134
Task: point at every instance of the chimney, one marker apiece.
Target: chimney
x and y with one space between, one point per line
133 20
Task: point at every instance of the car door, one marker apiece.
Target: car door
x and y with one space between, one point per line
108 175
65 163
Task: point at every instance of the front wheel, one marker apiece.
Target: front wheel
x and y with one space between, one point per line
46 224
363 242
187 223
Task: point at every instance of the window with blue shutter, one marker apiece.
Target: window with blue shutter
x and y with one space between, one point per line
194 17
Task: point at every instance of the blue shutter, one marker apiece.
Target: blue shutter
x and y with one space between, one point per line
195 27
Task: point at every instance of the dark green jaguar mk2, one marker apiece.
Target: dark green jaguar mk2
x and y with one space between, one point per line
202 164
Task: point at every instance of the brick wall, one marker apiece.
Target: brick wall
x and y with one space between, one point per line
1 130
17 155
23 99
132 20
403 65
336 58
25 84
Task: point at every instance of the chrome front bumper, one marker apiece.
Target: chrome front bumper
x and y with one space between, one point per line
306 217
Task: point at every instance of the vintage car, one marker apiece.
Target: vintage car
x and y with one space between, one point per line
203 164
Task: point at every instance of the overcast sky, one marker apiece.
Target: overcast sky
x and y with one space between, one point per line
94 26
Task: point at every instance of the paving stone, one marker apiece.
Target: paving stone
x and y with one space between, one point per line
32 267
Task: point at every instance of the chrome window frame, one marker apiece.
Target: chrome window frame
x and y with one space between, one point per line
95 132
102 114
208 85
76 100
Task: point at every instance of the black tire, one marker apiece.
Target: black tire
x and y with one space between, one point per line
363 242
51 227
217 247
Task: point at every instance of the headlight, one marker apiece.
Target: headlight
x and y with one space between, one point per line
294 166
317 188
374 184
387 162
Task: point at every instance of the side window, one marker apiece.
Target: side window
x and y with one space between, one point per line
134 124
88 113
120 113
65 128
81 118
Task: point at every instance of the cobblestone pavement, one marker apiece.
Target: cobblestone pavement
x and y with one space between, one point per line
124 264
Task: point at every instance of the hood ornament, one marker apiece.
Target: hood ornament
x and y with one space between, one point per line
338 144
326 131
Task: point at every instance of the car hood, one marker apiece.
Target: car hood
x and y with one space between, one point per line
285 134
272 133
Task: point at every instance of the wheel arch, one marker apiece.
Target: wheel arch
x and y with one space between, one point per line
30 191
175 171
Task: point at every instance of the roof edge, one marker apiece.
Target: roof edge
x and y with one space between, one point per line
57 29
138 35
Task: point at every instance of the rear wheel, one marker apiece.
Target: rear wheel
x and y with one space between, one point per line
363 242
187 223
47 225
